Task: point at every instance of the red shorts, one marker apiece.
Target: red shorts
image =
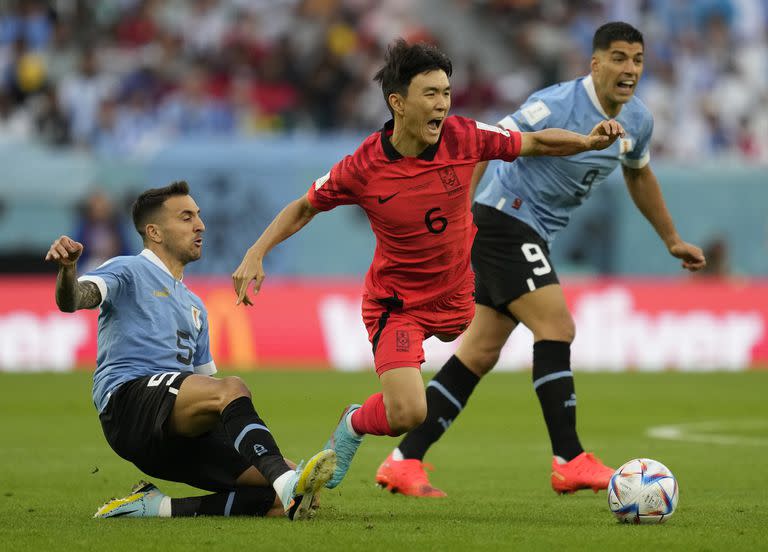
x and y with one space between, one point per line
397 334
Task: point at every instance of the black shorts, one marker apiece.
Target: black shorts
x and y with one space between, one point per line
509 259
134 423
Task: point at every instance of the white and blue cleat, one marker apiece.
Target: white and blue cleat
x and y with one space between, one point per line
144 501
345 444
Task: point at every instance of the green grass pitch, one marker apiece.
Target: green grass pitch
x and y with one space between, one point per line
56 469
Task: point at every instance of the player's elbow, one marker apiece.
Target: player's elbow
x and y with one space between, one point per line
307 211
65 306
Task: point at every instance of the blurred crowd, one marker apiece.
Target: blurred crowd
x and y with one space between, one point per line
121 77
706 64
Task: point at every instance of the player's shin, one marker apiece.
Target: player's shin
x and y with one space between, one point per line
553 383
252 439
447 394
371 418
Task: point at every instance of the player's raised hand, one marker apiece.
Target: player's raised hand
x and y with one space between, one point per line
65 251
251 269
691 255
604 134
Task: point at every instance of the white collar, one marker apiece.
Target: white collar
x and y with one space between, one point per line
589 86
154 259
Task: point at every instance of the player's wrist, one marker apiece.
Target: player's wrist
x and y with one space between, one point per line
673 242
256 252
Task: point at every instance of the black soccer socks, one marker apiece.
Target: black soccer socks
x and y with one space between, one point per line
447 394
244 501
553 383
251 437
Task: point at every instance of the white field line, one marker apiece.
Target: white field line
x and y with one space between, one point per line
717 432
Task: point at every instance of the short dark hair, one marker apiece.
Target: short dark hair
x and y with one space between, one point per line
149 202
613 31
404 61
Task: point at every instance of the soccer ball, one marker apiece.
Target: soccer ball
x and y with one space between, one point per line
643 491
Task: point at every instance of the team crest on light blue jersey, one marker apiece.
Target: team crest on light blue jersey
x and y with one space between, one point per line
196 319
626 144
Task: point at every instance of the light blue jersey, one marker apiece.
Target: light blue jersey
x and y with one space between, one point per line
149 323
542 191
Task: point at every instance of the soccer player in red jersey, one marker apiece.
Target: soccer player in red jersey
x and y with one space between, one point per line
412 179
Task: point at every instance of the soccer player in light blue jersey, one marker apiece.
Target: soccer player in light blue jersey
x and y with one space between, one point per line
518 215
158 405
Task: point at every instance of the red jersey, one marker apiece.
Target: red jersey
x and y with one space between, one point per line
419 207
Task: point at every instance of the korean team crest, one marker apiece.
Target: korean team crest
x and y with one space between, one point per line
196 318
402 341
450 180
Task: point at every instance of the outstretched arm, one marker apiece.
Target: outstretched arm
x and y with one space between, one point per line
71 295
289 221
558 142
646 193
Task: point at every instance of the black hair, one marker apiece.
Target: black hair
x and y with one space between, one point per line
404 61
613 31
149 202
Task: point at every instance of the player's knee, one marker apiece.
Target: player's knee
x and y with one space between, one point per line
481 359
404 417
233 388
561 328
568 330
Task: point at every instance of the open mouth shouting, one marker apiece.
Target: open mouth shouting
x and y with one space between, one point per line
626 86
434 126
